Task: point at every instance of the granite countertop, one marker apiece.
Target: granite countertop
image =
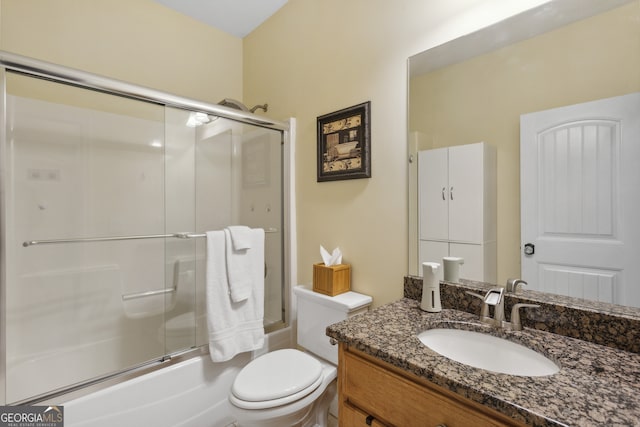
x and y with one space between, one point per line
597 385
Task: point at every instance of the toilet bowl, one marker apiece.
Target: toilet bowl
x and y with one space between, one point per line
291 387
283 388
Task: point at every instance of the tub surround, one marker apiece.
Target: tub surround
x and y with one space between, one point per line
597 384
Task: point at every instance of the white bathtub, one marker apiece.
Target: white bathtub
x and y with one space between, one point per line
192 393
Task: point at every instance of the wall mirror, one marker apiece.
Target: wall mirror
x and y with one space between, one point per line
477 87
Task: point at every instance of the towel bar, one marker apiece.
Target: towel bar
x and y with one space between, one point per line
182 235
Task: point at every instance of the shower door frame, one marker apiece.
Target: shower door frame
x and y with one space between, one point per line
60 74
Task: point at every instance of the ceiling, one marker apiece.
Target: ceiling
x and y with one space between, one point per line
236 17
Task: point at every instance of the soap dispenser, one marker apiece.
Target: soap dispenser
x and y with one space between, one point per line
430 287
452 268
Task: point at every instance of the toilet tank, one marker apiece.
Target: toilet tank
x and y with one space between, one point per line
316 311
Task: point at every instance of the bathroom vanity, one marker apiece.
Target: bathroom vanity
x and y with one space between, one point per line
387 376
378 394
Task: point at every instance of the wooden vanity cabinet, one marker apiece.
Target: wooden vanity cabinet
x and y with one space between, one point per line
374 393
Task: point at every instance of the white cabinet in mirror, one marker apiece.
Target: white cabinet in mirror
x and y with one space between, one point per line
457 208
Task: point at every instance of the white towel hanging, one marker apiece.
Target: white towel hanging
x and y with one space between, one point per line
239 266
234 327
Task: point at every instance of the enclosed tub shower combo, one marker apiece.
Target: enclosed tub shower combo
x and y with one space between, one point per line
107 192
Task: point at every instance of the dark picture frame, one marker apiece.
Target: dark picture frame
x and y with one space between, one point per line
344 144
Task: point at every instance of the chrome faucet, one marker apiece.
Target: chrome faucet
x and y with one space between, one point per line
495 297
516 324
512 285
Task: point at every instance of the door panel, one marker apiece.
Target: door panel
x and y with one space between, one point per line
577 164
465 193
474 259
473 267
589 283
433 194
580 199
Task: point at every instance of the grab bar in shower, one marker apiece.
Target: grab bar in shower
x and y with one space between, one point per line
183 235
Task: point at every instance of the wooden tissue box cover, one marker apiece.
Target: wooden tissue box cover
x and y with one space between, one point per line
332 280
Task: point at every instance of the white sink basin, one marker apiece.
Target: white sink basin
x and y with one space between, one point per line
487 352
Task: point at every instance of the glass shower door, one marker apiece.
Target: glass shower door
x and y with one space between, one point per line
219 173
239 181
99 192
86 170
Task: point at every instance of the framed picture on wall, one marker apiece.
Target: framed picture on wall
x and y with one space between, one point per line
344 144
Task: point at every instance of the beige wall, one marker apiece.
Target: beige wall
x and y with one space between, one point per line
311 58
138 41
318 56
481 99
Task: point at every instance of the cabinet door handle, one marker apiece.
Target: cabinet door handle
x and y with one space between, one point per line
444 189
451 193
369 420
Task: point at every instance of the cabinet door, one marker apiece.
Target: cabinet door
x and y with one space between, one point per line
351 416
465 191
473 267
373 392
430 251
433 196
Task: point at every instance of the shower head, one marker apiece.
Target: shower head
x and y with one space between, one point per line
232 103
262 107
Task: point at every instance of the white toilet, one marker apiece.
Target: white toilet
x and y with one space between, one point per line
291 387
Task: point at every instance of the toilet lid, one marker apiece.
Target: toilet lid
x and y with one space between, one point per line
276 375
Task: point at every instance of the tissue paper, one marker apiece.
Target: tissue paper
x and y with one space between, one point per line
334 258
331 277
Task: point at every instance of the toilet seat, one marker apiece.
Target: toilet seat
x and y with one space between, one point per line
275 379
